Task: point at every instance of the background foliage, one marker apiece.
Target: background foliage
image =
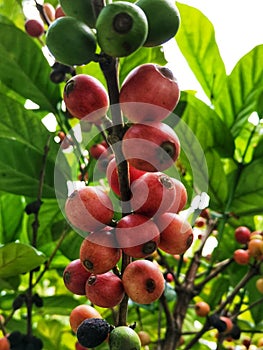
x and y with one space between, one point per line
231 141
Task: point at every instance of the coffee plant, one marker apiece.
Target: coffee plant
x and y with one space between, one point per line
131 211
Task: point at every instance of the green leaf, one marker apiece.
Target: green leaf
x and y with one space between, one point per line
24 69
20 167
11 283
59 304
218 186
49 215
239 97
71 245
141 56
206 125
258 152
12 11
196 40
10 219
248 197
23 125
17 258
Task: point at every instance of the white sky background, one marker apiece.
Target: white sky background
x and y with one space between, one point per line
238 27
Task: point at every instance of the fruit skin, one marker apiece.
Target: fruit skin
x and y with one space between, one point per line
49 11
151 146
59 12
259 284
80 9
143 281
241 256
255 248
98 150
105 290
242 234
86 97
78 346
181 197
151 89
99 252
89 209
144 338
71 42
112 175
202 309
122 28
176 234
34 28
75 277
163 27
92 332
137 235
228 322
4 344
81 313
152 194
124 337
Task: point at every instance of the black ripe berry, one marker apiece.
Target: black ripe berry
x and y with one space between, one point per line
92 332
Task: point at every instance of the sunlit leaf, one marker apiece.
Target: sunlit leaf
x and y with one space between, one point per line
24 69
17 258
196 40
239 97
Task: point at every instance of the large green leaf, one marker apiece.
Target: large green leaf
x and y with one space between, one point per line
23 138
248 197
49 215
17 258
218 186
24 125
196 40
24 69
205 124
10 219
20 167
239 97
13 10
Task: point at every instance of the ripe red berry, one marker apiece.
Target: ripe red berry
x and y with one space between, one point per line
105 290
242 234
137 235
98 252
151 147
228 322
86 97
89 208
153 90
181 196
143 281
241 256
176 234
202 309
75 277
152 194
59 12
34 28
98 150
4 344
112 175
